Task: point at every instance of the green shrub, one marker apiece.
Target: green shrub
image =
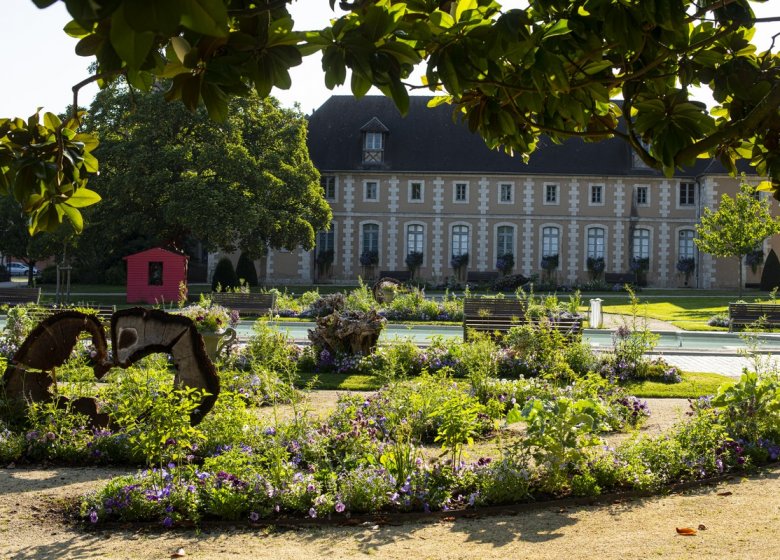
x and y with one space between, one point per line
770 276
361 298
225 277
245 270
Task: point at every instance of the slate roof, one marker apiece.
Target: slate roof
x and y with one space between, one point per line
427 140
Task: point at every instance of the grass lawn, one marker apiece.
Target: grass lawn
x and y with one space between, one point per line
690 313
693 385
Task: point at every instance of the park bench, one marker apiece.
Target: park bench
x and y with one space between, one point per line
246 303
742 314
15 296
497 316
102 312
481 278
400 275
620 278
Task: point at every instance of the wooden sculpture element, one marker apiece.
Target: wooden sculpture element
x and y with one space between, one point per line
135 333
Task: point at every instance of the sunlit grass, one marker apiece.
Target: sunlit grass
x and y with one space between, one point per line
693 385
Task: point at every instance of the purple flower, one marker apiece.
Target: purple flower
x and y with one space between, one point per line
254 516
312 513
93 516
340 507
167 522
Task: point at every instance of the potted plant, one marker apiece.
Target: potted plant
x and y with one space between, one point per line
324 262
686 266
549 265
639 266
213 322
596 266
369 260
505 263
459 264
754 259
413 261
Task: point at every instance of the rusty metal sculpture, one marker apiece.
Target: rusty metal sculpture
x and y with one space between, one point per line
135 333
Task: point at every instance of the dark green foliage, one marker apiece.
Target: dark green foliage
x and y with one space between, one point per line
770 277
245 270
224 276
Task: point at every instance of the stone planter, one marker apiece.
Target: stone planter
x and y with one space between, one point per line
216 342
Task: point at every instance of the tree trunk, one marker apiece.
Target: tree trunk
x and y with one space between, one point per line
739 260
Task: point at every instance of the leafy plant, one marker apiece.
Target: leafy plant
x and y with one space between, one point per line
505 263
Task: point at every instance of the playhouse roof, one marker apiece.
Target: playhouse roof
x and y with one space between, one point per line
156 252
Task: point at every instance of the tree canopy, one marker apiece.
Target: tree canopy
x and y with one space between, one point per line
245 183
554 67
737 227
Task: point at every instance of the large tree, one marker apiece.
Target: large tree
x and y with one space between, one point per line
246 183
554 67
737 227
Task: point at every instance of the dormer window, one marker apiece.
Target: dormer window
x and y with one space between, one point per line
374 139
373 147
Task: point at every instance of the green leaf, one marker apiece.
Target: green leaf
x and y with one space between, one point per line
131 45
74 29
463 7
83 197
560 27
205 16
51 121
74 216
360 85
514 416
216 101
152 15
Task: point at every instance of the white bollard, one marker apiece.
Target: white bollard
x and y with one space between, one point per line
596 318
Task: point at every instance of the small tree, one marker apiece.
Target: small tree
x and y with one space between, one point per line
245 270
737 227
224 276
770 276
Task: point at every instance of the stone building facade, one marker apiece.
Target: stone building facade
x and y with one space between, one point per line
425 184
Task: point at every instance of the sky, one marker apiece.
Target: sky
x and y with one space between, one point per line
40 66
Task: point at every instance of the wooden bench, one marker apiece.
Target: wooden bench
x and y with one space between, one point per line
102 312
246 303
621 278
475 277
15 296
499 315
400 275
743 314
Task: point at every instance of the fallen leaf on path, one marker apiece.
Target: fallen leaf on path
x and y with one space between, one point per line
449 518
686 531
702 527
179 553
724 494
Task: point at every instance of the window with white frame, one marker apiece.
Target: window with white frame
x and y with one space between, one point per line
506 193
370 238
370 191
641 243
460 240
325 241
551 193
505 240
373 147
641 195
597 195
686 249
461 192
551 238
415 238
415 191
687 194
328 184
596 238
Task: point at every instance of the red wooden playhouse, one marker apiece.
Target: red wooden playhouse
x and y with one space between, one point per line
154 276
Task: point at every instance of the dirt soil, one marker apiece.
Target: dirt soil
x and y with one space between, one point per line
740 516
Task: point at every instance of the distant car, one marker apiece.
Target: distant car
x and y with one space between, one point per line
19 269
